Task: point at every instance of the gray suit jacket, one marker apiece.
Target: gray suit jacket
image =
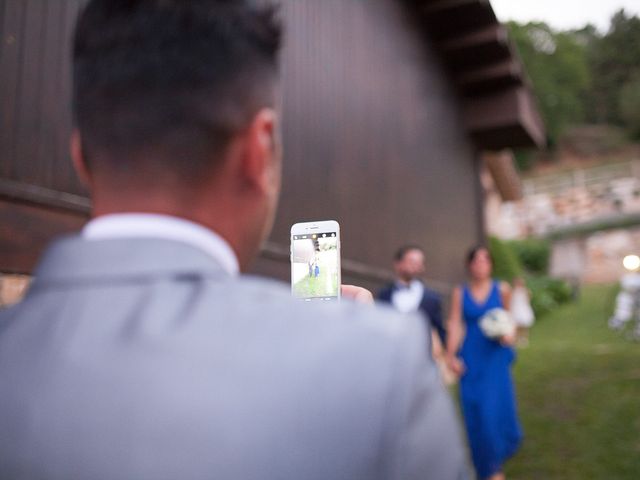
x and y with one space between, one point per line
142 359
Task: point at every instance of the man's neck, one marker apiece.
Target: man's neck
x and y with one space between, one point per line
217 208
225 229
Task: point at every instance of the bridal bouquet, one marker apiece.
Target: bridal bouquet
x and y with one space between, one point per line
497 323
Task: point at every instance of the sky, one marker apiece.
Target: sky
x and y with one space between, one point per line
564 14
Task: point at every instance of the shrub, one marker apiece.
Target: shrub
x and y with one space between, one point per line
547 293
506 265
533 254
530 259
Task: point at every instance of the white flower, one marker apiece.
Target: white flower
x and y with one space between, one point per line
497 323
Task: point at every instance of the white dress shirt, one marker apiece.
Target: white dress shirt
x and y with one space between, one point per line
407 298
147 225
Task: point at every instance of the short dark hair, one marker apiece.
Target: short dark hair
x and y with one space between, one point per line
173 80
402 251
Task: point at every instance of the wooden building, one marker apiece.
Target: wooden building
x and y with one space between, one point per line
388 107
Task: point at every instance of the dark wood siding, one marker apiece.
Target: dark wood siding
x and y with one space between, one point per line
372 127
35 94
374 137
40 196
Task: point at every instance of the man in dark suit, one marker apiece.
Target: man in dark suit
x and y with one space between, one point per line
409 294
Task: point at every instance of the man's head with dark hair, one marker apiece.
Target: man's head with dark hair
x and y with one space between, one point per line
402 251
174 98
408 263
170 77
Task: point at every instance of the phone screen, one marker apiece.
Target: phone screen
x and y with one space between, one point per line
315 267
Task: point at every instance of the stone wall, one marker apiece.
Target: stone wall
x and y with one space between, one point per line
596 258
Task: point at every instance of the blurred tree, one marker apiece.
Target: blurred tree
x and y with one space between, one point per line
557 64
524 159
588 37
615 61
629 105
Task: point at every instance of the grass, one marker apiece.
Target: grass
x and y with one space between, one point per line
315 286
578 386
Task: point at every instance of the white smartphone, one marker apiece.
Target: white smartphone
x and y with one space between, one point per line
315 260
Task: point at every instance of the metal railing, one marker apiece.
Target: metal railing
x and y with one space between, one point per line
592 178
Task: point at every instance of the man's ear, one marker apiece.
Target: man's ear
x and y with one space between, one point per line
77 157
260 160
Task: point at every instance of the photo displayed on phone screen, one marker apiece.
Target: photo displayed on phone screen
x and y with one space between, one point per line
315 266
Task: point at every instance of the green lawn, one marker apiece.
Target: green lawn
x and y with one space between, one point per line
315 286
578 387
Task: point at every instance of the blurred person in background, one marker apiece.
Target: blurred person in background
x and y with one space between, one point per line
484 365
408 293
521 311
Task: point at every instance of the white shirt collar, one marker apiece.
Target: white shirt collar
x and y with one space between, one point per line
147 225
407 299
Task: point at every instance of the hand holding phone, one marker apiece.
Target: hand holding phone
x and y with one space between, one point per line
357 294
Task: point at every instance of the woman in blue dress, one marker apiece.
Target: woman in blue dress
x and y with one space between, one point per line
484 366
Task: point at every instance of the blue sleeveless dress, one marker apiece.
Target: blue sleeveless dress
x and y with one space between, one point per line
486 390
